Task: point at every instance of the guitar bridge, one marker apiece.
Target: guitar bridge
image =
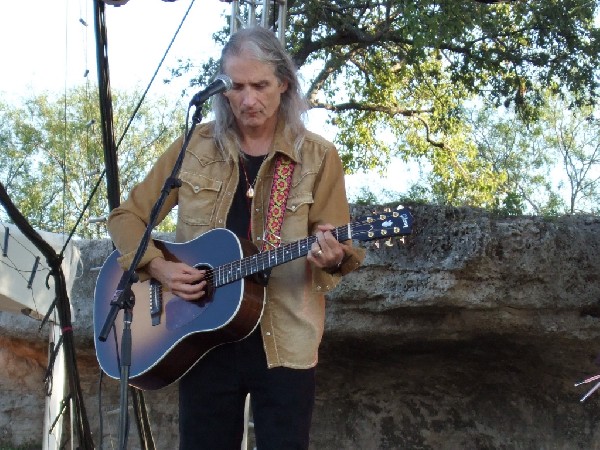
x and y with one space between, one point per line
155 301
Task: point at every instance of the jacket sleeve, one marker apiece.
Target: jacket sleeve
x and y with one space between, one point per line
330 205
127 222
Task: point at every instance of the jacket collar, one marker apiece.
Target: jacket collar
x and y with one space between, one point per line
283 142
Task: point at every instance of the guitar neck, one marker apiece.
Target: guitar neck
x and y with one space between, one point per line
236 270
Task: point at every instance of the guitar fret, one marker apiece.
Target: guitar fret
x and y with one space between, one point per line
262 263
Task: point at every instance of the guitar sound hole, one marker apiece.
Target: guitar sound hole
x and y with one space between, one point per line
210 288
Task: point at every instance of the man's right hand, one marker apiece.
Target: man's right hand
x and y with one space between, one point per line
182 280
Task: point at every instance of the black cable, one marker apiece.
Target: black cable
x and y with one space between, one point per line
155 74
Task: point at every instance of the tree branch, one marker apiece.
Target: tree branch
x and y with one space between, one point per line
357 106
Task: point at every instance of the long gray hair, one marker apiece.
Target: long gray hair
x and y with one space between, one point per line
261 44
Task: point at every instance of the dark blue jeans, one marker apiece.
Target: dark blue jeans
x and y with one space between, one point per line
212 397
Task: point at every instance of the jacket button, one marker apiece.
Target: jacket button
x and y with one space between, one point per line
196 189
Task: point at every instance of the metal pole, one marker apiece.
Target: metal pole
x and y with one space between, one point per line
106 112
244 13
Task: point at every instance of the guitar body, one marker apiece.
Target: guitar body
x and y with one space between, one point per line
183 332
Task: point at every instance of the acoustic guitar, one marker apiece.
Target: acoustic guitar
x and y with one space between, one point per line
170 335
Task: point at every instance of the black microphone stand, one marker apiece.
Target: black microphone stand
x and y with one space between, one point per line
124 298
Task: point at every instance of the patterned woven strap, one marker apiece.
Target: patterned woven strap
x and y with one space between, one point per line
282 182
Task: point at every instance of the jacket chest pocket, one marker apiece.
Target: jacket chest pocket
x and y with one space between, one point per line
295 222
198 197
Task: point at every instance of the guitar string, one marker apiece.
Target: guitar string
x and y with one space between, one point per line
248 264
232 270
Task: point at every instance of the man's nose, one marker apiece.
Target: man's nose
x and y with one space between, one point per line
249 96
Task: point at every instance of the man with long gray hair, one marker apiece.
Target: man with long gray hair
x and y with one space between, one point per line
256 171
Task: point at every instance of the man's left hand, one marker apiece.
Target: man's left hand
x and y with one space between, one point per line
326 252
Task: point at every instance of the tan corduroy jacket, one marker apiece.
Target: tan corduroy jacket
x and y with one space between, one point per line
293 320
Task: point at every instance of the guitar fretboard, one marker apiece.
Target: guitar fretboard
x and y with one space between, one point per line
234 271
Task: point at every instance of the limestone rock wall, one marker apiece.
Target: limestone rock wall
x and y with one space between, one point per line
470 334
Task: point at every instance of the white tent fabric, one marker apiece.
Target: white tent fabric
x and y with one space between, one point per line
22 290
55 400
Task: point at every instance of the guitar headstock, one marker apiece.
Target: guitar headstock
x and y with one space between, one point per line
384 225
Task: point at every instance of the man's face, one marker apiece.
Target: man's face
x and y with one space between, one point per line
256 92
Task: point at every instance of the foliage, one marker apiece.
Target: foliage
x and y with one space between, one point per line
404 70
399 80
549 167
366 197
574 137
395 76
52 155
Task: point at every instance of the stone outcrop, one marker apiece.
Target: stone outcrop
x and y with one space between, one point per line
469 334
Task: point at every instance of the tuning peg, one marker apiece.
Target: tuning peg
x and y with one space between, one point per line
377 244
398 208
389 243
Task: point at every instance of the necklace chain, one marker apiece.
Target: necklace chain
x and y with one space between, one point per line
250 191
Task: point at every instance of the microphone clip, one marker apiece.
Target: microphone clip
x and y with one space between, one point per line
222 83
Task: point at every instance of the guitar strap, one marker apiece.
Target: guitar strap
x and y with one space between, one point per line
282 182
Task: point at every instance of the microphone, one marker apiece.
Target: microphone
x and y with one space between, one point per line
222 83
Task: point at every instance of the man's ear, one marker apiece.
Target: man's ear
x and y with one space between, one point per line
283 86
